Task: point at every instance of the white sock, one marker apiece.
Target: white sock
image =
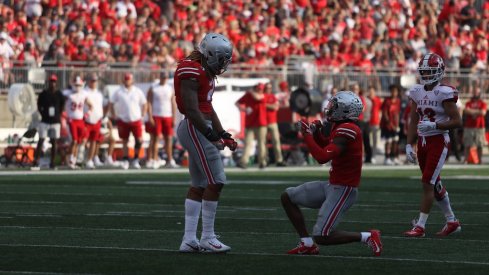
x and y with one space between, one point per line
365 236
109 159
192 213
307 241
446 208
423 217
208 216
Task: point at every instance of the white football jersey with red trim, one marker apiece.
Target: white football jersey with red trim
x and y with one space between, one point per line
430 104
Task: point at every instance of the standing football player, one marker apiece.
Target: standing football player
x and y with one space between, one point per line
433 113
202 135
75 105
334 197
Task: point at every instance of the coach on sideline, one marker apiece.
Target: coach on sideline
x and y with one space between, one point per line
50 104
128 104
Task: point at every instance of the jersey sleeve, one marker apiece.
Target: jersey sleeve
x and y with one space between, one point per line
142 97
113 97
449 94
244 99
346 131
188 70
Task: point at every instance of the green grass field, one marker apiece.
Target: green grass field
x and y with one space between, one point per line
133 223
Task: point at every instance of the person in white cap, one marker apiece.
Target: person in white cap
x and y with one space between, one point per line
75 105
128 104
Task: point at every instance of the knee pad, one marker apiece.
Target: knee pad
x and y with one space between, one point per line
440 191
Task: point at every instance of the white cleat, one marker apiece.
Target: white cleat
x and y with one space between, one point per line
213 245
190 246
135 164
125 164
150 163
90 165
172 164
97 162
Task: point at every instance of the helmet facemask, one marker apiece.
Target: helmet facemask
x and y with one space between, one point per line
217 52
431 69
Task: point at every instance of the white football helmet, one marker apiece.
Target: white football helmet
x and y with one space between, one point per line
344 105
217 51
431 69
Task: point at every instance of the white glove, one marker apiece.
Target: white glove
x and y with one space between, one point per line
426 126
410 154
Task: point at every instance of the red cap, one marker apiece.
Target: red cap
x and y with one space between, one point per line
53 27
53 77
260 86
127 76
283 85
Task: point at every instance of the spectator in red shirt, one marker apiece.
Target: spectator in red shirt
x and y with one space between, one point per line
374 120
272 126
389 125
474 124
253 104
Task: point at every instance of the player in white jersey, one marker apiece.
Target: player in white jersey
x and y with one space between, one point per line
75 106
433 113
93 120
128 104
161 114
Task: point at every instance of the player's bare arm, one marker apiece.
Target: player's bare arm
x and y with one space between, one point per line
190 98
455 121
150 106
216 123
413 122
174 108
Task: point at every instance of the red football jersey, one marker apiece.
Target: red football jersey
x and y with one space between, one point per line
478 121
257 114
346 169
188 69
271 114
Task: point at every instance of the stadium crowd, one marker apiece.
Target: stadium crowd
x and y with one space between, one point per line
367 34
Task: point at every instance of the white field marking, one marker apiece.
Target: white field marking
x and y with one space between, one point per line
253 254
221 232
34 272
261 182
231 207
152 215
268 170
458 177
383 202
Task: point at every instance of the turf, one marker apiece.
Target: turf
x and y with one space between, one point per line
133 223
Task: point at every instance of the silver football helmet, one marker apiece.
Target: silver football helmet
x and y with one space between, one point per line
217 50
431 68
344 105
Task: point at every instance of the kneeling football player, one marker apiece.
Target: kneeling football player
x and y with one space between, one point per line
334 197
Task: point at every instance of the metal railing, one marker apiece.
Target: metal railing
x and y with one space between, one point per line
296 74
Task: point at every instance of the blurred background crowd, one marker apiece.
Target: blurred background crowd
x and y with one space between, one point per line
366 34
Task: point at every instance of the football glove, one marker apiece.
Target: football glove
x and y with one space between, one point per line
316 126
410 154
304 127
426 126
228 141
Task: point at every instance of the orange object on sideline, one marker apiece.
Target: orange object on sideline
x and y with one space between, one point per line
473 158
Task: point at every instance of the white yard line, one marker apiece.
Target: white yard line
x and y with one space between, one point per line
228 169
253 254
